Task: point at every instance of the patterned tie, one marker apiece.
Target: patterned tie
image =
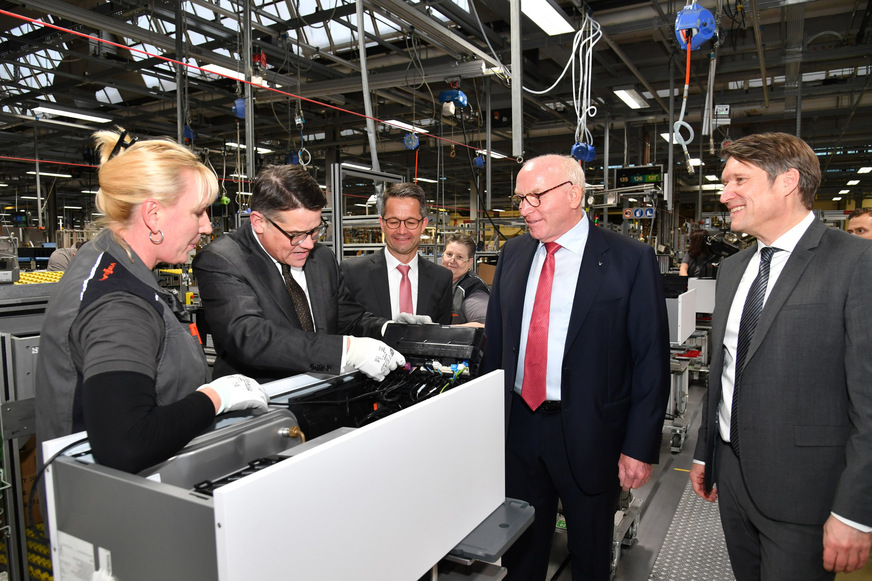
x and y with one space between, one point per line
298 295
536 356
750 315
405 290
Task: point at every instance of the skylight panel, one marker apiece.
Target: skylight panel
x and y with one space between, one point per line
109 95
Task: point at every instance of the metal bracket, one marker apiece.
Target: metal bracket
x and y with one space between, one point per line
18 418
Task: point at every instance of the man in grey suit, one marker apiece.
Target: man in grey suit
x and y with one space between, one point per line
376 280
273 297
786 431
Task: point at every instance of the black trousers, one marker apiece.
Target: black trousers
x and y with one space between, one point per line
538 471
759 547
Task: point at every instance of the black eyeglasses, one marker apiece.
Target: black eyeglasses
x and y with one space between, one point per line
533 199
394 223
297 238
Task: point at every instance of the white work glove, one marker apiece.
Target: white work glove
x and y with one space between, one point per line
238 392
410 319
372 357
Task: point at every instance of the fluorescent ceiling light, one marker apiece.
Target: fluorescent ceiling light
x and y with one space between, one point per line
2 185
632 98
695 162
322 187
406 126
224 72
362 205
711 178
844 191
29 198
634 200
355 166
713 187
89 191
497 210
864 170
239 175
97 214
51 175
72 207
262 150
852 182
493 154
547 17
426 180
837 198
72 114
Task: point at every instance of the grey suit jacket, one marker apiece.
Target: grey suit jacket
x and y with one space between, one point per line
252 318
367 280
806 395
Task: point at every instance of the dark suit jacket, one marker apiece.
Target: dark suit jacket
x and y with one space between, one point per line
252 318
616 359
806 395
367 280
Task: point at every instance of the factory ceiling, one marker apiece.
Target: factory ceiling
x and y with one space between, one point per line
797 66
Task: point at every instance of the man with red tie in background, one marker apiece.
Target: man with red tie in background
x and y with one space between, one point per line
577 320
397 279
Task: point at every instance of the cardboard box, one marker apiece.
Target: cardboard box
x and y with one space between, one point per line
486 272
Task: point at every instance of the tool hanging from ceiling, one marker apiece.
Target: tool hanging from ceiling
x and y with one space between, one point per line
694 26
582 54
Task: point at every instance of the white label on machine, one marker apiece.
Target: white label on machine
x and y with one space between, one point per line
76 557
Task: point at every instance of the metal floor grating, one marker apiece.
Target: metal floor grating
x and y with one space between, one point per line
694 548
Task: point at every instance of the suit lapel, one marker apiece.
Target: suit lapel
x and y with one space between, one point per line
268 276
727 285
515 287
379 279
425 287
316 279
594 264
787 281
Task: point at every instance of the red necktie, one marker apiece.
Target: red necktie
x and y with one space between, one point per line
405 290
536 356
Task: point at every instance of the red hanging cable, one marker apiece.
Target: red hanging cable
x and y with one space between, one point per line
687 36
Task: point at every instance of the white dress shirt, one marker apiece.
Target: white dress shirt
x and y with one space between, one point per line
394 278
567 264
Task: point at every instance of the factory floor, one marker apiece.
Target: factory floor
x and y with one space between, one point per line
679 535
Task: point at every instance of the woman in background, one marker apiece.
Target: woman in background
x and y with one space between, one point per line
470 292
118 354
697 257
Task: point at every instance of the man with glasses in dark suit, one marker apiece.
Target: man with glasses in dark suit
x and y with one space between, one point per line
273 296
577 320
397 280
